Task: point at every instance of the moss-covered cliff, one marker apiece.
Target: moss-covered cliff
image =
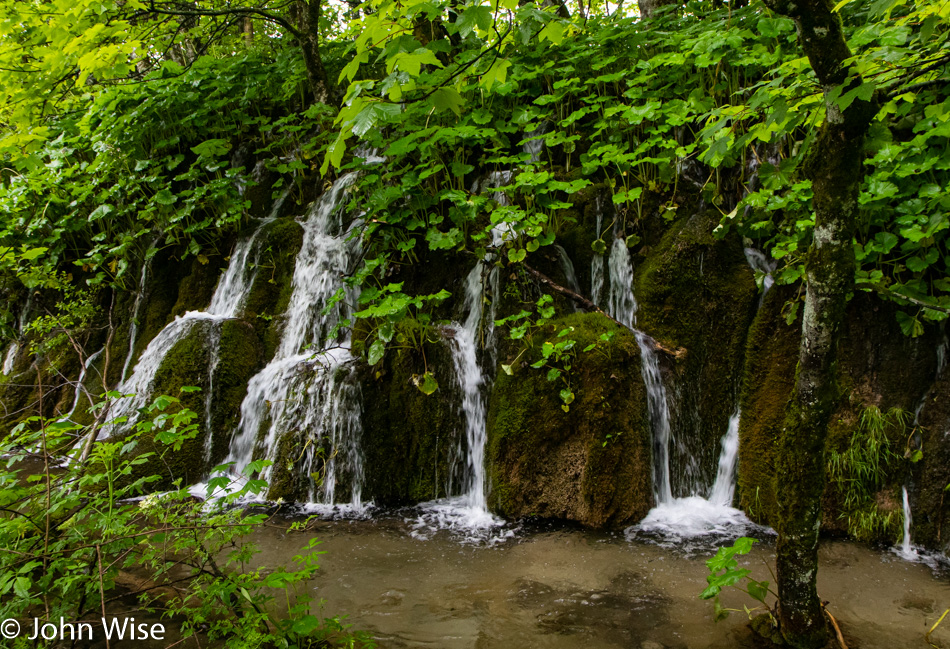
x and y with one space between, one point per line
591 464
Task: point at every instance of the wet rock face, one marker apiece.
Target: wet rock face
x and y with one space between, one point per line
877 366
591 464
411 442
931 476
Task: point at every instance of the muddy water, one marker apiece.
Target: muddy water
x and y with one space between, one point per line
560 589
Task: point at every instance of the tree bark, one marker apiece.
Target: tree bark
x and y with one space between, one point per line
308 21
835 167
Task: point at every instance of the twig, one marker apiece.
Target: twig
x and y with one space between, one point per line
834 623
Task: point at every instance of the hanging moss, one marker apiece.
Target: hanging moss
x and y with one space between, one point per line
591 464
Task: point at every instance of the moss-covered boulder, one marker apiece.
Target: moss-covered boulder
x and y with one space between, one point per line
698 293
591 464
410 439
219 357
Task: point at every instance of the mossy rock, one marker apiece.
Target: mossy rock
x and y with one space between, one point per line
270 291
409 438
697 292
930 500
189 363
591 464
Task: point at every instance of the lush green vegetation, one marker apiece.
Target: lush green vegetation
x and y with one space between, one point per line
131 127
80 537
718 103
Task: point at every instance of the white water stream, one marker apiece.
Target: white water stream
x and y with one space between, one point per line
304 391
229 295
9 359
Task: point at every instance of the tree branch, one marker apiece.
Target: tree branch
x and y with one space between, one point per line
237 11
588 305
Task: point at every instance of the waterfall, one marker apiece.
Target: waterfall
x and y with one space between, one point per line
467 513
597 263
724 488
137 310
567 267
303 391
907 551
229 295
9 358
694 515
622 305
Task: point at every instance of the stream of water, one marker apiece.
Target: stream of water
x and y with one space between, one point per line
556 588
305 390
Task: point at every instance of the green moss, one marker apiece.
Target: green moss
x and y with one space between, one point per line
408 437
240 356
272 287
931 475
591 464
768 379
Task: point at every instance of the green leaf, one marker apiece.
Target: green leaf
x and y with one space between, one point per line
553 31
445 99
426 383
376 351
497 73
212 148
758 590
599 246
516 255
165 197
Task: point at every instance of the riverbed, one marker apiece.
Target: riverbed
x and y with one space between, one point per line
544 587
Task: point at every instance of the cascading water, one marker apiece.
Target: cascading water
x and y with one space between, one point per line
13 350
694 515
597 263
567 267
304 392
622 305
467 513
137 310
906 550
229 295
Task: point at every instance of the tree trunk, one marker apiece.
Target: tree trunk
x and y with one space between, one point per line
835 168
308 21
